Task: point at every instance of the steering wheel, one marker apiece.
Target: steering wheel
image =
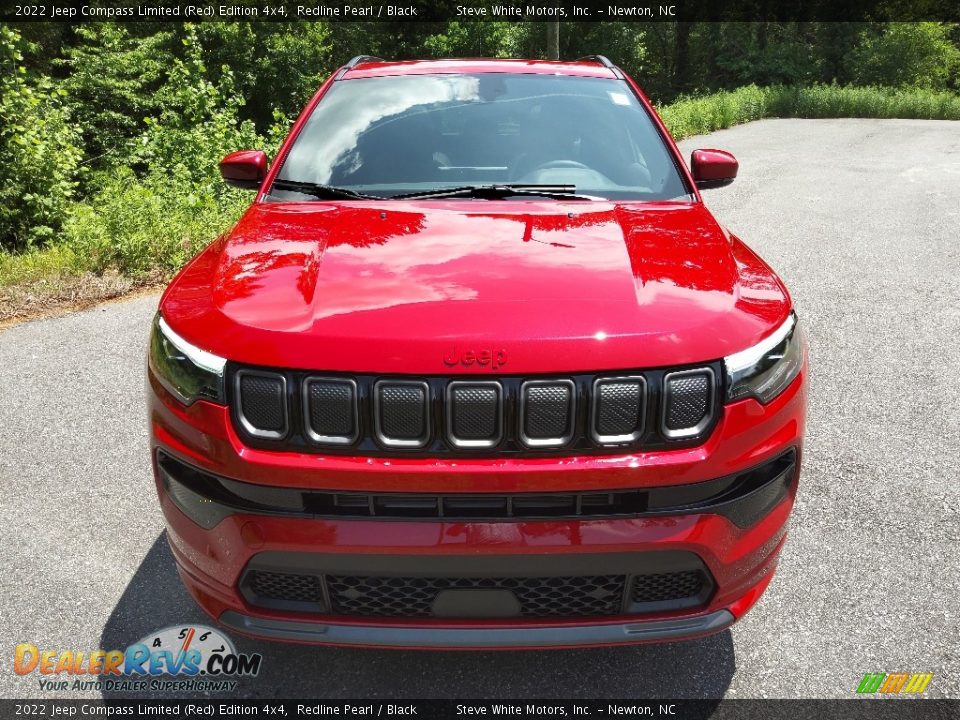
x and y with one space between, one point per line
558 164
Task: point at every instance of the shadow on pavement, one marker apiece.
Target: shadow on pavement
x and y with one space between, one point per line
155 599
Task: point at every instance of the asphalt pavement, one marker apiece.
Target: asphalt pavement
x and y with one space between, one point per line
862 220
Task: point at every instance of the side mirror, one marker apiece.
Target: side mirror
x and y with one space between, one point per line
244 169
713 168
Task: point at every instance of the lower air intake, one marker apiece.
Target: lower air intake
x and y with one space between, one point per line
665 587
537 597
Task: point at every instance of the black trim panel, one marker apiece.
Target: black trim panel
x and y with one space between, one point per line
743 498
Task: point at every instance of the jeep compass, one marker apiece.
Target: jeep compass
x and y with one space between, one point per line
477 368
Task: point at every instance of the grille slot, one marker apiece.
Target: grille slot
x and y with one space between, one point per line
330 410
687 587
577 596
618 409
402 413
547 413
611 504
688 402
474 414
262 403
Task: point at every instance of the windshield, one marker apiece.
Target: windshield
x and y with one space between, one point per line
394 135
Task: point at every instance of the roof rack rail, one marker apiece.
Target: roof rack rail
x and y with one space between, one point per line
603 60
357 60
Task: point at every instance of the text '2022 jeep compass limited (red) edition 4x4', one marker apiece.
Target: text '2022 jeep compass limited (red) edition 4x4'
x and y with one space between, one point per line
477 368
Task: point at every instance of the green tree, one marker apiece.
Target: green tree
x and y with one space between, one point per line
39 157
274 66
906 55
111 83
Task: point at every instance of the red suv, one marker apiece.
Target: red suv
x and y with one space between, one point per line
477 368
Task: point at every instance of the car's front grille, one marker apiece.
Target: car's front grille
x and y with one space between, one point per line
414 596
537 597
506 415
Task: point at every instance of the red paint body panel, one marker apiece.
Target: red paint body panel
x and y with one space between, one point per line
393 287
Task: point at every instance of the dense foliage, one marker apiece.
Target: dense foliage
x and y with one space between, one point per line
110 134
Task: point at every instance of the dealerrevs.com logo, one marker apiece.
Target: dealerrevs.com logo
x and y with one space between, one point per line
179 658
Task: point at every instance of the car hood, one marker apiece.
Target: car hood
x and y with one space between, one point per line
433 286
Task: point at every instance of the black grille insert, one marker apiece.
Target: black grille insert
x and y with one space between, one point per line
538 596
688 400
547 412
474 414
479 585
618 409
262 405
578 596
402 413
286 591
330 410
665 587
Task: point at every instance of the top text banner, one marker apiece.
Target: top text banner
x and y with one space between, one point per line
479 10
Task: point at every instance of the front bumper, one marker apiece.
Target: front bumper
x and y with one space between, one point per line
739 551
479 637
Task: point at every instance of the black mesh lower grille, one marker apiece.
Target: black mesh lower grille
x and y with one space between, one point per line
414 596
665 587
287 586
538 597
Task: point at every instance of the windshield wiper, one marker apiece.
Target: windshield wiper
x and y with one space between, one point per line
496 192
322 191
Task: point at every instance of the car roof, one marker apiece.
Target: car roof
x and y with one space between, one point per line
583 68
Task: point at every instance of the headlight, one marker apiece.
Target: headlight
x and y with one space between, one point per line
766 369
184 369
